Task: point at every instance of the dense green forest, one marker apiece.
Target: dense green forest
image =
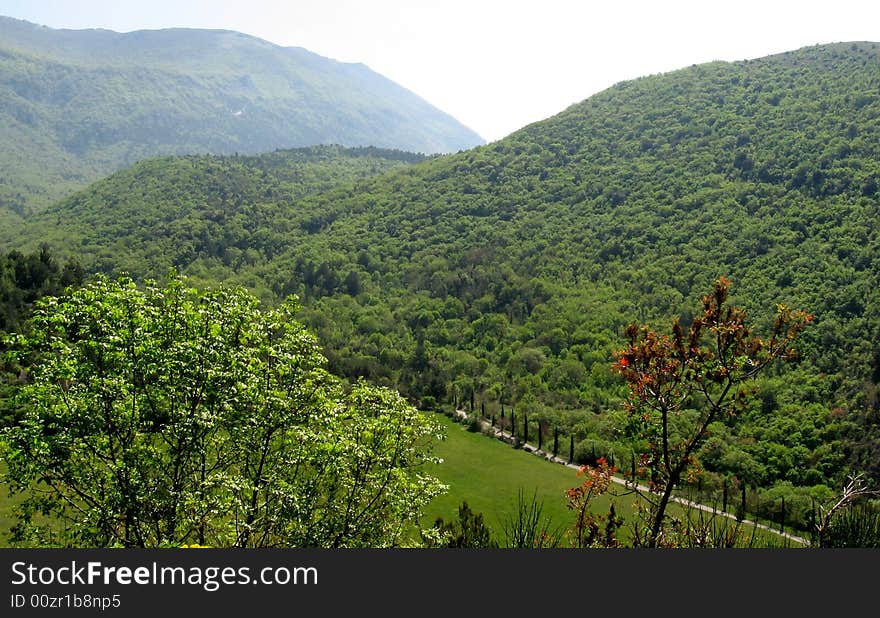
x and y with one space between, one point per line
24 279
211 215
505 275
80 104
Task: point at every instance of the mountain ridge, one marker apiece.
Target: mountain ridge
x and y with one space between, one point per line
84 103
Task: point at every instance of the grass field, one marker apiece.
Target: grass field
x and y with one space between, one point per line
489 475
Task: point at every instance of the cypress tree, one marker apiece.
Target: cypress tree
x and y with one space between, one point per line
724 496
782 516
540 436
814 518
555 441
525 427
571 449
512 424
483 409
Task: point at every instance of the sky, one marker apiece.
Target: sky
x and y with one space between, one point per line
496 66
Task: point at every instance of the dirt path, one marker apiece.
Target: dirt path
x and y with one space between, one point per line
531 448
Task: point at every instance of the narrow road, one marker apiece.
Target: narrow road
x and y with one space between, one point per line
531 448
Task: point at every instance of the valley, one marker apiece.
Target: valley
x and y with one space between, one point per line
501 278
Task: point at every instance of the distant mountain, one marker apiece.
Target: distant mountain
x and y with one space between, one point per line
79 104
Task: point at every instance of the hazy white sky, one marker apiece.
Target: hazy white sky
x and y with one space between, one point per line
495 65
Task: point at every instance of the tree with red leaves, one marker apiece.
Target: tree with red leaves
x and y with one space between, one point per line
587 530
680 384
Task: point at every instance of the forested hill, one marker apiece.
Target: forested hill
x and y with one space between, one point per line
79 104
507 272
197 211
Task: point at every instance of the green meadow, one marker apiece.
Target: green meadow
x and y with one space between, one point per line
490 475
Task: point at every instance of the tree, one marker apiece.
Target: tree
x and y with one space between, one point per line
680 384
468 531
861 529
587 530
166 416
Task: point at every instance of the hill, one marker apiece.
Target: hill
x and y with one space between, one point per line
80 104
504 275
195 211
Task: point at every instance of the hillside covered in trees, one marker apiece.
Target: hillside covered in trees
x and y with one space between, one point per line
506 274
199 212
80 104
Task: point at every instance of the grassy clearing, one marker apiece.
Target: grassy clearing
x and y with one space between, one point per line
489 475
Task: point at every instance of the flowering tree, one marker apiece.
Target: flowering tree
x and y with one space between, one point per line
166 416
680 384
